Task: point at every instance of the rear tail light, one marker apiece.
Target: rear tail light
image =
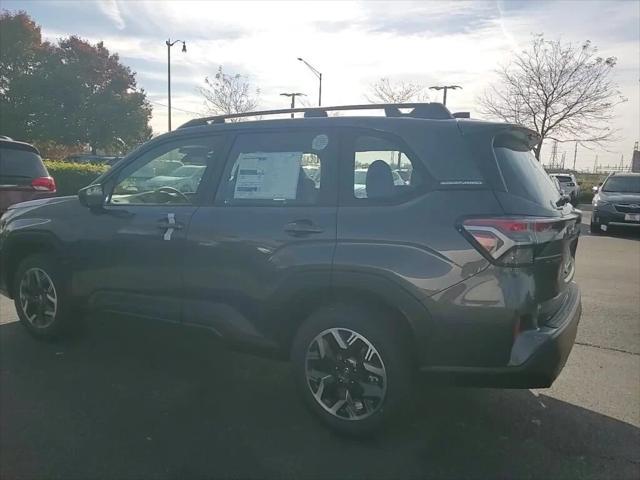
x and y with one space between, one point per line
45 184
511 241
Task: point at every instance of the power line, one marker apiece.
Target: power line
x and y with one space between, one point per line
175 108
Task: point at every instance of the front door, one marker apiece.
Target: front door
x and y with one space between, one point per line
269 234
143 226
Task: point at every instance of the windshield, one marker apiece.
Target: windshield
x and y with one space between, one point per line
622 184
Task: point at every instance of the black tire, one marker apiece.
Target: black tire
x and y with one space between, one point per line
391 351
595 228
62 321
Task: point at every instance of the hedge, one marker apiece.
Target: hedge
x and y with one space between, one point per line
71 177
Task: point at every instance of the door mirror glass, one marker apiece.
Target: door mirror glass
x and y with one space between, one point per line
92 196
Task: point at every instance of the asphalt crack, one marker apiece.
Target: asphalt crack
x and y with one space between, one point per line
613 349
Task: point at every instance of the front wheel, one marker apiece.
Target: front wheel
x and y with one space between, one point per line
351 368
41 298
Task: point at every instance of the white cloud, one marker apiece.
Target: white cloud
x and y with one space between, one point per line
110 9
354 43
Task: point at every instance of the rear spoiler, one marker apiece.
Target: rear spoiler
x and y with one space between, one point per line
519 135
514 136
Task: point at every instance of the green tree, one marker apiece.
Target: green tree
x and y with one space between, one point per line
70 93
21 54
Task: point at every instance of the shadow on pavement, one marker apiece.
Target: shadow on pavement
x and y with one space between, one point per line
133 400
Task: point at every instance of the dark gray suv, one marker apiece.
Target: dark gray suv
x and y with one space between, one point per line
461 268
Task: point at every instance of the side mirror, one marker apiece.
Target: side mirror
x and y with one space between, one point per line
92 196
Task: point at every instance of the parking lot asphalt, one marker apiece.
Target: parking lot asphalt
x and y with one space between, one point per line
130 399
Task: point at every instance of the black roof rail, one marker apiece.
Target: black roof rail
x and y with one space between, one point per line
433 111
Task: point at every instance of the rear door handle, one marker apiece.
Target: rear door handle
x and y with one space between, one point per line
302 227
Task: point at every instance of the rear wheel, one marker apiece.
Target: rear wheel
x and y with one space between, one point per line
595 228
351 368
41 298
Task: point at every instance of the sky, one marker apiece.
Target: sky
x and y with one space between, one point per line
352 43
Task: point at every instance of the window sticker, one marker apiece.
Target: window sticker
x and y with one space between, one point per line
268 175
320 142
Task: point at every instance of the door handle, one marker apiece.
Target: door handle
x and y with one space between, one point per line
302 227
169 225
166 225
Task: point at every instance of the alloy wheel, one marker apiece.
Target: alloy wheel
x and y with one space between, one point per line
38 298
346 374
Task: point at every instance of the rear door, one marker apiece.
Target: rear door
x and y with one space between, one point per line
267 235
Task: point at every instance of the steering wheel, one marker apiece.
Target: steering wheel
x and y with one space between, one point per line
174 191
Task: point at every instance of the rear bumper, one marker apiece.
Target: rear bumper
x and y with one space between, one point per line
537 356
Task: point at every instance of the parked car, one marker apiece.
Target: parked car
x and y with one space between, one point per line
465 272
23 175
569 185
562 193
617 203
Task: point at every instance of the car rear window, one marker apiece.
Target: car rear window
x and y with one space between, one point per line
564 178
20 164
525 177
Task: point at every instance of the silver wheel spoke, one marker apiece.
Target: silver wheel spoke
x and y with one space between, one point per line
38 298
346 375
338 338
373 369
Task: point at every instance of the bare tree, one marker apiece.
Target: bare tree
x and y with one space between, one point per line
389 91
227 94
562 91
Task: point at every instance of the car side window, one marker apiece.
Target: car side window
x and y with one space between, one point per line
285 169
168 174
382 170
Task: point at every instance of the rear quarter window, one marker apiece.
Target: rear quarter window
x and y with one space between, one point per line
448 158
20 164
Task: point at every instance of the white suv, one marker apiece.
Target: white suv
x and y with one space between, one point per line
568 184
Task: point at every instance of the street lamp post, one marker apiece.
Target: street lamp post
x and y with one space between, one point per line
293 99
445 88
170 44
317 74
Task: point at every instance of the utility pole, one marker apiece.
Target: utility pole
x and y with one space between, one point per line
293 99
564 156
595 165
622 162
170 44
575 154
445 88
554 155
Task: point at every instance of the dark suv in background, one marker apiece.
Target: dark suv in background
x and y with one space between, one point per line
464 269
23 176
